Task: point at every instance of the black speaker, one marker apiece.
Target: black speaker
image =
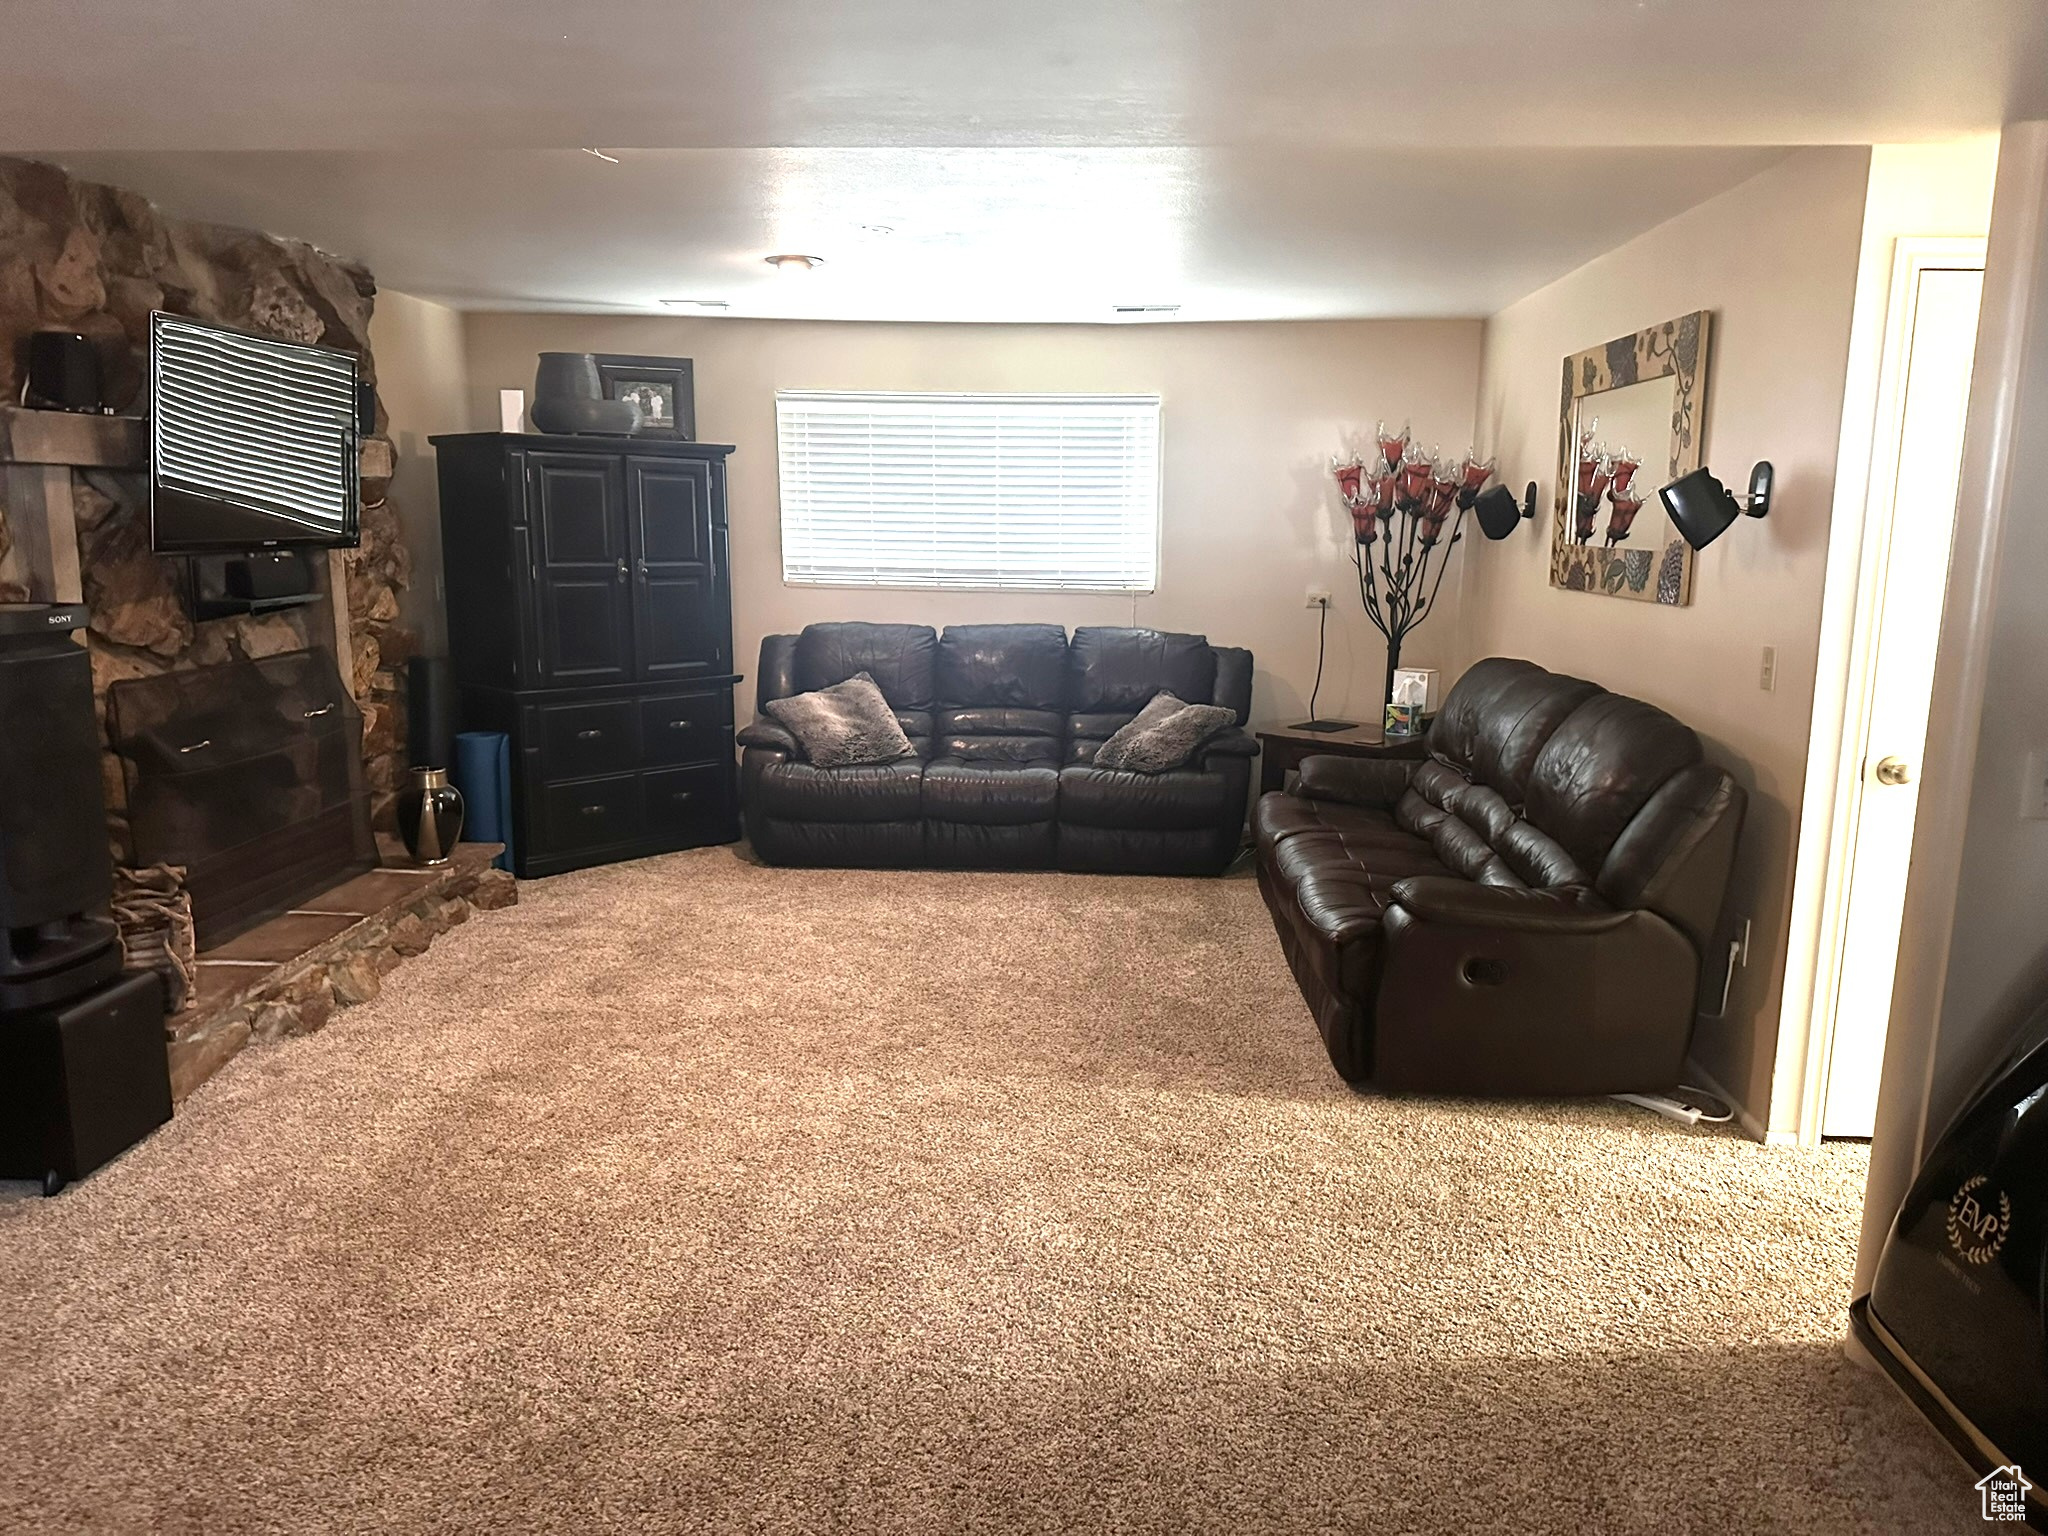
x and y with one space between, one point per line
267 574
56 876
82 1083
430 712
63 373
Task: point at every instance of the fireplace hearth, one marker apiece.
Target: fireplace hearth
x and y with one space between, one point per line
250 776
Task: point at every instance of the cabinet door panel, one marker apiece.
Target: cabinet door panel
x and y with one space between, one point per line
681 626
586 618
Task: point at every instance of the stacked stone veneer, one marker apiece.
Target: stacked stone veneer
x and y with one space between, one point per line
301 995
78 256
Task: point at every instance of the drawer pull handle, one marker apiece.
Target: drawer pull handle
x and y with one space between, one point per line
198 746
591 810
315 714
680 795
589 735
679 725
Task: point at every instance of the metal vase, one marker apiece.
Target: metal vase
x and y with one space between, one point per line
429 815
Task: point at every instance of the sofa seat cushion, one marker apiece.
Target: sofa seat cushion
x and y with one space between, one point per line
1278 817
1183 798
989 793
874 792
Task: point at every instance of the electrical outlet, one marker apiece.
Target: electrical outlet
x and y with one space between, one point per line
1767 674
1317 598
2034 793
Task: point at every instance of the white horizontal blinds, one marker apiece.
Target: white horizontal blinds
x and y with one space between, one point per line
1038 492
256 422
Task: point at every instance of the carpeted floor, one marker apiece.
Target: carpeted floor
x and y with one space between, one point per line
696 1196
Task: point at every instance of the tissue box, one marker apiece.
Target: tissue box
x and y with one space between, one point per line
1416 686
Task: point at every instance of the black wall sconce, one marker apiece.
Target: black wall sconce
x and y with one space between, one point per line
1496 510
1703 508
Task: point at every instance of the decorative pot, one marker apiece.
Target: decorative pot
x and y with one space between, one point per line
568 396
429 815
591 418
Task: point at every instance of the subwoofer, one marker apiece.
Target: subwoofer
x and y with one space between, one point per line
82 1082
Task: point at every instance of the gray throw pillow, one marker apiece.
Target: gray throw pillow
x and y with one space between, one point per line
844 726
1163 735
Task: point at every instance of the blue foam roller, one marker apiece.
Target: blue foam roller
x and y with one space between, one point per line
483 772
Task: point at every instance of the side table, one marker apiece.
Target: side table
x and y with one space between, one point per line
1281 749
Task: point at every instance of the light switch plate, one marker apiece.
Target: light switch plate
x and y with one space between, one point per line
1767 673
2034 793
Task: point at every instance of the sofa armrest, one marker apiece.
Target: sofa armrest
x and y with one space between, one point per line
771 734
1374 782
1466 903
1234 742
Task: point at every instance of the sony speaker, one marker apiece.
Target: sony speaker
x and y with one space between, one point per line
63 373
430 712
53 822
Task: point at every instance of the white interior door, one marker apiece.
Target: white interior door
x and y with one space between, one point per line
1920 447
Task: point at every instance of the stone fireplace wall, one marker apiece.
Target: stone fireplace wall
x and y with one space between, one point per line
78 256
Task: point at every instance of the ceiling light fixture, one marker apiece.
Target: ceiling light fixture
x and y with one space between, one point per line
791 262
698 303
600 154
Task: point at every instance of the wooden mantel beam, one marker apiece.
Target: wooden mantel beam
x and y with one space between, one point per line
73 438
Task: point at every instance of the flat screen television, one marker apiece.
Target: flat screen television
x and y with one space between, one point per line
252 441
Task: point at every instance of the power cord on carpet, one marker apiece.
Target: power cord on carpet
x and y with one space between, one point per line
1714 1111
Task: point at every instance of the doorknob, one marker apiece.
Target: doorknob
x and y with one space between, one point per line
1893 770
622 568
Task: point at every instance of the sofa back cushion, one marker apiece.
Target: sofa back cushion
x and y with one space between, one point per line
1001 693
1532 776
1113 673
900 658
1600 768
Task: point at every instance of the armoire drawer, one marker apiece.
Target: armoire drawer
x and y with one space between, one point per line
590 813
686 728
583 740
682 802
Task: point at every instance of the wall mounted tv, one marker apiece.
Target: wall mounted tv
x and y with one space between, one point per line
252 441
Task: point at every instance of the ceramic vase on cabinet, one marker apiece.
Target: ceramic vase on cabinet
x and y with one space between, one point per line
429 815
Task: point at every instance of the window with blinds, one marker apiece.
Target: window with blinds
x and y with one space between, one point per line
1045 493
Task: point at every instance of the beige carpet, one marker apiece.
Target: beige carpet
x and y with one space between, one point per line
697 1196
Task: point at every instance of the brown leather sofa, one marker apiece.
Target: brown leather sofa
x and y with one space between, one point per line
1005 720
1522 907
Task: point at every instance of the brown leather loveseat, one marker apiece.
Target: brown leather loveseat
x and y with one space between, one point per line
1524 907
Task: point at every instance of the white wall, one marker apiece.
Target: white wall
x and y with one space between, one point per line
418 347
1252 414
1775 259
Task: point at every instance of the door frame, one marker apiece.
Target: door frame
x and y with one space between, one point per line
1835 754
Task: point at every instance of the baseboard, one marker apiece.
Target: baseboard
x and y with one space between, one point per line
1751 1126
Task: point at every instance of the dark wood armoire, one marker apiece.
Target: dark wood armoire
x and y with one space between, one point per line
590 620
